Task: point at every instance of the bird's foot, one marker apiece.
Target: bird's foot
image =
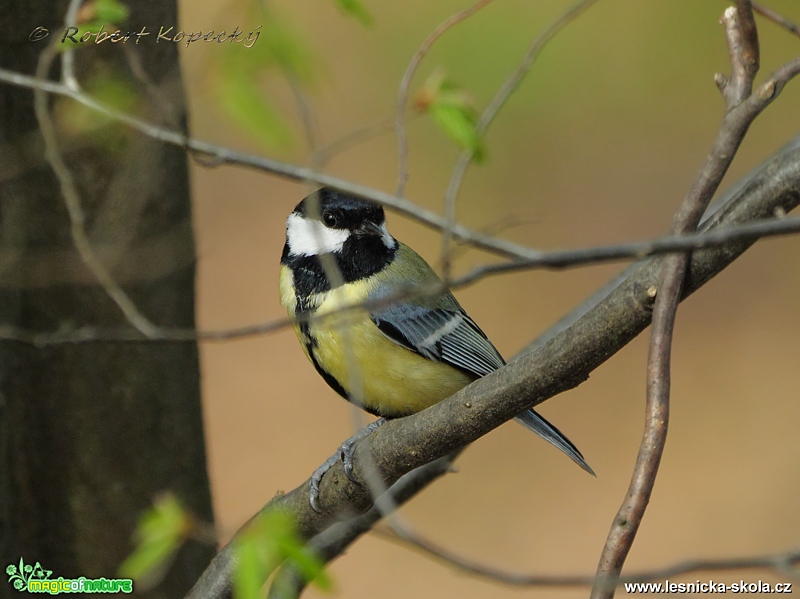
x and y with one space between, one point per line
345 454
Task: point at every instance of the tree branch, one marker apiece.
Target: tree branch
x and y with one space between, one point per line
777 19
69 191
742 38
780 563
561 259
557 259
405 82
498 101
222 155
562 363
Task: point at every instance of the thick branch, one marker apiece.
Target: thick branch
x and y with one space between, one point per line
561 364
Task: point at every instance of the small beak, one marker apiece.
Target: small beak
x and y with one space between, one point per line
370 228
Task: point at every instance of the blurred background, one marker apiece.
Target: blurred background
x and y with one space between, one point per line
599 145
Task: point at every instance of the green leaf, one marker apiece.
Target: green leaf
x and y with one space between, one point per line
239 76
111 11
269 541
355 9
249 576
161 531
452 111
252 111
109 89
459 125
277 46
309 566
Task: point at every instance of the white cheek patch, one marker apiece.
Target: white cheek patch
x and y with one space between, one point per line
387 239
309 237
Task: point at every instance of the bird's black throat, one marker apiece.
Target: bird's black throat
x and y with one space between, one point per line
362 256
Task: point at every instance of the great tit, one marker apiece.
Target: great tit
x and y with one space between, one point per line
393 358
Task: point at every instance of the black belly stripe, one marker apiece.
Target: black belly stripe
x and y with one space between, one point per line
309 341
332 382
311 344
305 306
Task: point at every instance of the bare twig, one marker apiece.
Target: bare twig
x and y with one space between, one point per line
498 101
91 334
405 82
742 41
709 219
780 563
169 112
776 18
68 54
629 516
557 259
222 155
383 502
73 204
305 113
328 151
742 37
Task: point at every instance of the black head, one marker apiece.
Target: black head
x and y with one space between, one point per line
338 210
351 229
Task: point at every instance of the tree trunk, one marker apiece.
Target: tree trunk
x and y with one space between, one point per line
90 433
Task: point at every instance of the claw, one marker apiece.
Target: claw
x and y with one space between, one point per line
347 459
345 454
316 479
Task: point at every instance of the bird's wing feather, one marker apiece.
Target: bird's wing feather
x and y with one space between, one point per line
441 335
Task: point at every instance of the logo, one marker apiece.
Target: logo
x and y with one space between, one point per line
35 579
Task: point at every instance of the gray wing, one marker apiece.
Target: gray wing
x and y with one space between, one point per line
441 335
449 335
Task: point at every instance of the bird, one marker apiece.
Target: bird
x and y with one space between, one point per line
391 356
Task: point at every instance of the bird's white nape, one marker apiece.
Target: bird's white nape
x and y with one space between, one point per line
389 241
309 237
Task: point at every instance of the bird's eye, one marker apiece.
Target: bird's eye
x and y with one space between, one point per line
329 218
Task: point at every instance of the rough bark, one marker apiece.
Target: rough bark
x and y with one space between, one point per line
90 433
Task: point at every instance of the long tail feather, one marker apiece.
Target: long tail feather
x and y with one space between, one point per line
536 422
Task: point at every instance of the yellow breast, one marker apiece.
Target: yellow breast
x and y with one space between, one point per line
378 374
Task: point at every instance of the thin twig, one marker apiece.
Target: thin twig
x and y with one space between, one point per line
334 540
558 259
405 82
742 38
73 203
706 226
339 145
305 113
776 18
383 502
68 54
629 516
222 155
169 112
91 334
780 563
491 111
